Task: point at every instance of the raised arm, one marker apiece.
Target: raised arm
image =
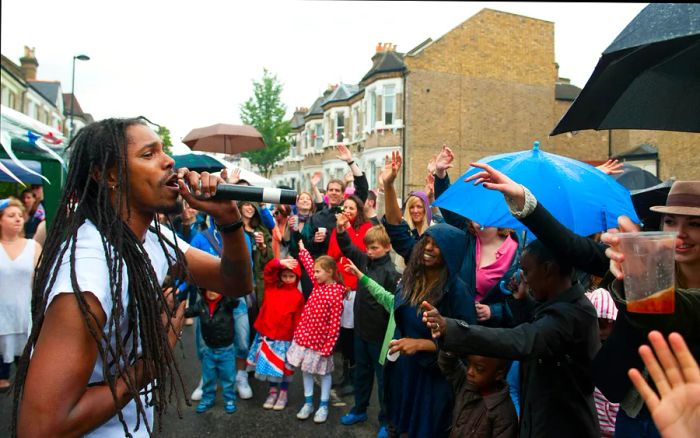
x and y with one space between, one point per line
383 297
360 180
443 162
392 164
347 248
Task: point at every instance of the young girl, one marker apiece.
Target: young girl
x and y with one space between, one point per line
275 325
317 332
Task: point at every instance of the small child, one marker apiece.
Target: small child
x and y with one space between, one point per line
317 332
219 354
607 314
482 402
279 315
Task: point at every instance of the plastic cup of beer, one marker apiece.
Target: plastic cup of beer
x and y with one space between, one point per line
649 269
323 230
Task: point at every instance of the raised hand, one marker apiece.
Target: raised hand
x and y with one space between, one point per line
432 164
494 179
289 263
315 179
350 268
433 320
300 243
233 178
613 252
676 407
343 153
443 161
611 167
392 164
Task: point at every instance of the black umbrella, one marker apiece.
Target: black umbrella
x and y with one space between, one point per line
649 77
636 178
647 198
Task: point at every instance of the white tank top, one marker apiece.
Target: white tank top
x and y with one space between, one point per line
16 289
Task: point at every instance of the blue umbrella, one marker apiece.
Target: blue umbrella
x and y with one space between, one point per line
198 162
580 196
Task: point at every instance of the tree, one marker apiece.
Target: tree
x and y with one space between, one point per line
265 111
164 134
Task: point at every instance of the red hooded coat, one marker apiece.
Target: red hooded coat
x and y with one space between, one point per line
282 306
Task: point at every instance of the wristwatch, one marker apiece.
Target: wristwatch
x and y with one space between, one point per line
230 228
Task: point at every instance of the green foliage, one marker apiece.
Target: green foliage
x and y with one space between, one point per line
164 134
265 111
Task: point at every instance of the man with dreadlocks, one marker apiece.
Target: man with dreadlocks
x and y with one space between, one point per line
103 332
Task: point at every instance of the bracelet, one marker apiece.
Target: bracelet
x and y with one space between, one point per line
229 228
351 162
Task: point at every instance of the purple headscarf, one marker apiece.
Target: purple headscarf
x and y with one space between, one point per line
423 197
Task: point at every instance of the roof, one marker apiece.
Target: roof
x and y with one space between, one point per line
564 91
48 89
12 68
342 92
385 62
77 109
297 120
316 107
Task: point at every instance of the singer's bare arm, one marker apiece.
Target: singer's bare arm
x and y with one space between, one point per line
232 274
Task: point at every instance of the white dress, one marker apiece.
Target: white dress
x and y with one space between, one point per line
15 300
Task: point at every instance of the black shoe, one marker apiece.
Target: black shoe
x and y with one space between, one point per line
346 390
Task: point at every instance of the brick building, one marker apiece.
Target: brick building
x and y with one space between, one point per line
488 86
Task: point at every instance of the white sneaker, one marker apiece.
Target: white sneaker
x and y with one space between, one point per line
244 390
197 393
321 415
305 411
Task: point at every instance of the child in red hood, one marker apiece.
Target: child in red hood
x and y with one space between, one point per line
280 312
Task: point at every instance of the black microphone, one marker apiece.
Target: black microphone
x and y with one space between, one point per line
235 192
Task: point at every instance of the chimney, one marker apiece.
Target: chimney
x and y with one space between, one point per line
29 64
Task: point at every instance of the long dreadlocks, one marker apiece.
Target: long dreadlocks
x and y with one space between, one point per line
95 150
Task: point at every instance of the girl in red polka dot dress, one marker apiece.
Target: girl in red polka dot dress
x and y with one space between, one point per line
317 332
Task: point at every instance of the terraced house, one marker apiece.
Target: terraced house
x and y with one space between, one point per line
488 86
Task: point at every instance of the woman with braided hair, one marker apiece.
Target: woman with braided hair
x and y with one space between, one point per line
99 358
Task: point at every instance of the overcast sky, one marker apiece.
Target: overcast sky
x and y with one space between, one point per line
187 64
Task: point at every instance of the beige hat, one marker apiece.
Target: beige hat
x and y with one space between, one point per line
683 199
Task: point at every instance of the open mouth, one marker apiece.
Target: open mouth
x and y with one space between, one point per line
427 257
171 182
684 247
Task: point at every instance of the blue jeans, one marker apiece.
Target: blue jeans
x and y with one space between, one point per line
218 364
241 334
241 324
366 367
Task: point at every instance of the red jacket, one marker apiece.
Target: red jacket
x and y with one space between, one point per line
282 305
358 239
320 322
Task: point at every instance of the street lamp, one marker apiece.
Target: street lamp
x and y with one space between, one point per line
72 93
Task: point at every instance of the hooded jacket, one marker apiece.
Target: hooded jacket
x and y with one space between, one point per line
283 304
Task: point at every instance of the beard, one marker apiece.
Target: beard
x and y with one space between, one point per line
175 208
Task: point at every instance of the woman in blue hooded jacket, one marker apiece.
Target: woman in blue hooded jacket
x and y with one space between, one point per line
419 398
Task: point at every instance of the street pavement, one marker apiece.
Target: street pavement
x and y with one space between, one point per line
250 420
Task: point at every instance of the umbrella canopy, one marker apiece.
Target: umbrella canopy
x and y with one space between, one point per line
649 77
198 162
580 196
646 198
224 138
635 178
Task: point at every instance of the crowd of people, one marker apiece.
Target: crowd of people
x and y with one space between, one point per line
468 330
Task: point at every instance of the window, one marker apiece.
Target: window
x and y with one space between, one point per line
389 104
356 122
339 127
372 174
318 136
372 109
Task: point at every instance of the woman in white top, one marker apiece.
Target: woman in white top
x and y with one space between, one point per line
18 259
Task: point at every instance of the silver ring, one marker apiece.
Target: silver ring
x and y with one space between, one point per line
437 326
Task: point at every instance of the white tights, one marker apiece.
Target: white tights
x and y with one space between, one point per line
326 381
